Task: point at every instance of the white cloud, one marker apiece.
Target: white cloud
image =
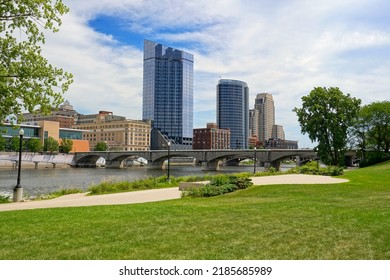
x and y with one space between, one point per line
285 48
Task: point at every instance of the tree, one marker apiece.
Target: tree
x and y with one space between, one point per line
101 146
34 145
2 143
27 80
376 116
50 145
326 116
66 146
14 143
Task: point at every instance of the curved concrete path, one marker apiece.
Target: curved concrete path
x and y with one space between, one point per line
81 199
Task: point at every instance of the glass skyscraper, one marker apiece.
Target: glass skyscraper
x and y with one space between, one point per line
233 111
168 94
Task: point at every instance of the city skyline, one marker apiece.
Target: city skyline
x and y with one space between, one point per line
285 48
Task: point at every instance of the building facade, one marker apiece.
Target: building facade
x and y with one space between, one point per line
44 129
280 144
265 114
211 138
278 132
168 94
233 111
117 132
65 115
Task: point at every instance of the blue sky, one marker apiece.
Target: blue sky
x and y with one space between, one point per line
283 47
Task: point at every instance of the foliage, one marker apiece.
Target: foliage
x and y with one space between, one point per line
59 193
2 143
66 146
372 127
27 80
15 143
50 145
374 157
111 185
314 168
101 146
326 116
34 145
220 184
5 199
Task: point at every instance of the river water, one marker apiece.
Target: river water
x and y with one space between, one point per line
45 180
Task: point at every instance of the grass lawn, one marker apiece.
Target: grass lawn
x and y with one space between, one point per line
341 221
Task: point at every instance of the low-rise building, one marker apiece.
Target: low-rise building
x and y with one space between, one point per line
44 129
211 138
280 144
65 115
117 132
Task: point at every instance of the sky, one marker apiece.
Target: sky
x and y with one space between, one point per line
282 47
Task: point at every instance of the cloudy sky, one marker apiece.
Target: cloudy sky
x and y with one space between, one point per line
283 47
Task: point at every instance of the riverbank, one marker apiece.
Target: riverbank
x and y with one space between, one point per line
81 199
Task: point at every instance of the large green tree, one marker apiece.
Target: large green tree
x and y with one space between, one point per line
372 128
326 115
27 80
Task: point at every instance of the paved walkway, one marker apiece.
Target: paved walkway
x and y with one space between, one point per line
82 199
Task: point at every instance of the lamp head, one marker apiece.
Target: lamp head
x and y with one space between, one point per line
21 132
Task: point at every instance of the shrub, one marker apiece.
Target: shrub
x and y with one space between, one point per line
220 184
4 199
374 158
313 168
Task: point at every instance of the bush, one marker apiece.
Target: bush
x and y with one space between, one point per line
4 199
374 158
220 184
313 168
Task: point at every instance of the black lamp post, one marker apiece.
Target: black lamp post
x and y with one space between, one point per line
254 164
18 190
169 159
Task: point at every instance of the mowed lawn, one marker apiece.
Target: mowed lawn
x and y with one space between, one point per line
341 221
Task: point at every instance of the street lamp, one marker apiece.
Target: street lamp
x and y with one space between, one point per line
18 190
254 164
169 155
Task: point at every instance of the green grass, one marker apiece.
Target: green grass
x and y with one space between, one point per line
341 221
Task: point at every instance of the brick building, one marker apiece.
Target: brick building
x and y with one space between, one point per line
211 138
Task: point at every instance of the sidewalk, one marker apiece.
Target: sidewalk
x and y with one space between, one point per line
81 199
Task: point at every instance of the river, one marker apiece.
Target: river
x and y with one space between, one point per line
45 180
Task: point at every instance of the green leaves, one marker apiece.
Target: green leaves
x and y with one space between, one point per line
326 115
27 80
372 127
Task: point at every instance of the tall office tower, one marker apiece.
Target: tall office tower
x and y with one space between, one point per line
264 104
233 111
168 95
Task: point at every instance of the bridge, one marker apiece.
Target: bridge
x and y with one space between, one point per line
210 159
37 158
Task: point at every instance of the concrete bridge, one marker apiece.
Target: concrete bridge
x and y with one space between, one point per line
210 159
36 158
